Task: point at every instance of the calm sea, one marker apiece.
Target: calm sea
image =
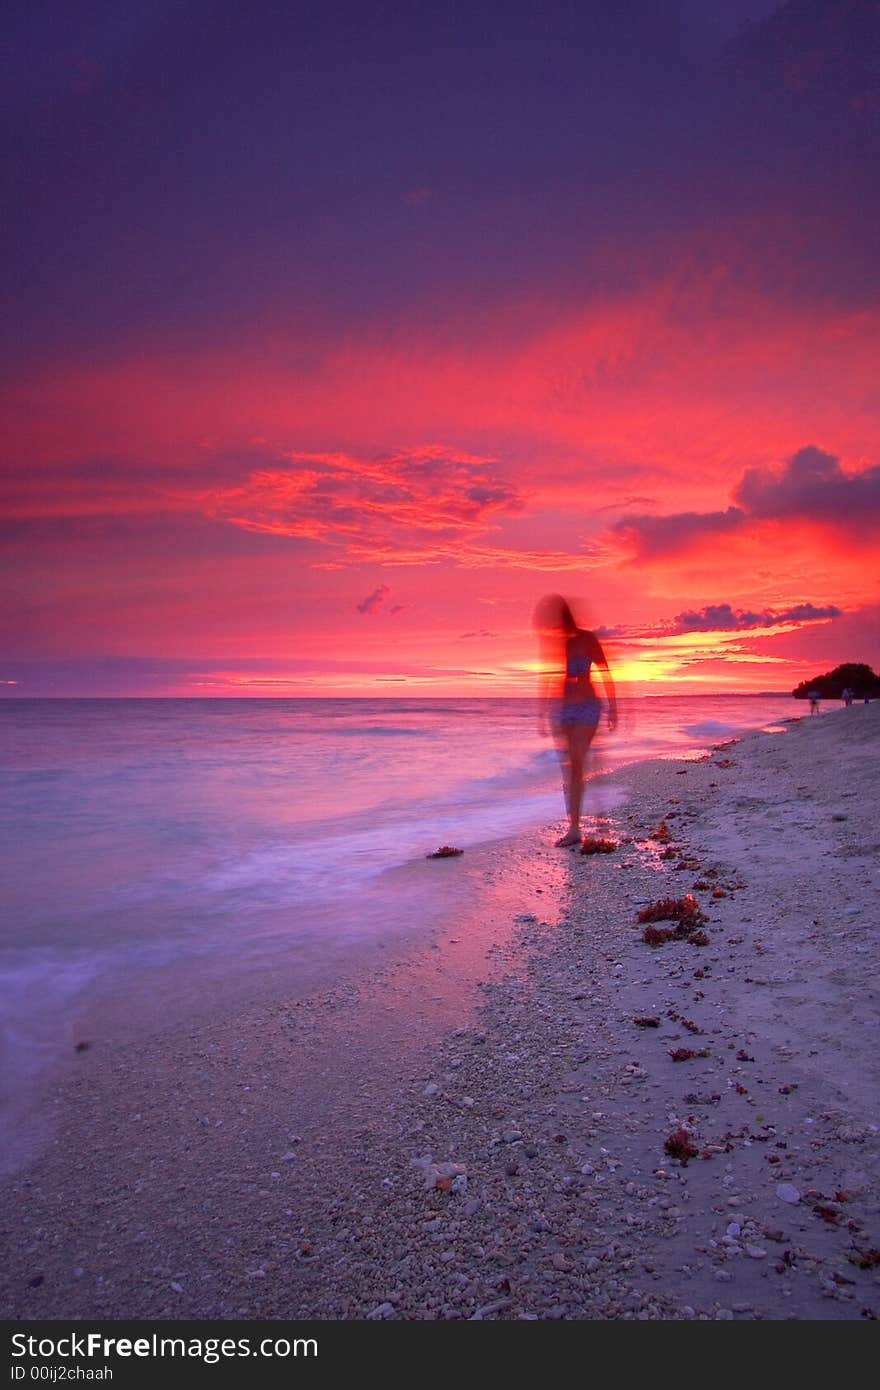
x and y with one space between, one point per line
210 834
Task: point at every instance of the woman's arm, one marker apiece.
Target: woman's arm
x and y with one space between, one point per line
610 693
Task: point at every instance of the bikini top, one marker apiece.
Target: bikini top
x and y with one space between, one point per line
577 665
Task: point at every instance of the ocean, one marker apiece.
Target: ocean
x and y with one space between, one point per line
157 847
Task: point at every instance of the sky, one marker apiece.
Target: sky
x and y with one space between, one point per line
336 334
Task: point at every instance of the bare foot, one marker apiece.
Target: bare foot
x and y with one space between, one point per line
571 837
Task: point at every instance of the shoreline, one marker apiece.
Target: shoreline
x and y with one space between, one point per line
262 1164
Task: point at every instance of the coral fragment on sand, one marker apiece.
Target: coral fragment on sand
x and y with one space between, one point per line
827 1213
444 852
865 1259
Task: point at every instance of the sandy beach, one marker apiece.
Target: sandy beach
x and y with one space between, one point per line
537 1114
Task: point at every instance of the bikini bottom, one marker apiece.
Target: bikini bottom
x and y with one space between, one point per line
578 712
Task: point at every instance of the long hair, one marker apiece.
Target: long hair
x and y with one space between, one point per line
553 616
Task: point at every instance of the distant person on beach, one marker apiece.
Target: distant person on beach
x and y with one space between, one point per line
813 697
568 655
847 697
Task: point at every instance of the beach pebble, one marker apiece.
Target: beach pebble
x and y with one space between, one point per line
756 1252
178 1288
450 1170
431 1089
788 1193
384 1310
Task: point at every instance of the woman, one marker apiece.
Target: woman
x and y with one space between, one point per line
569 654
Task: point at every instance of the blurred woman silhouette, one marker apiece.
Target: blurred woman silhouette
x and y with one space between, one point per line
568 656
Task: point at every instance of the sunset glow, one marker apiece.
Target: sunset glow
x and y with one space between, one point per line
329 352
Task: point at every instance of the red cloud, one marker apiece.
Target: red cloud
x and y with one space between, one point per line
412 507
426 496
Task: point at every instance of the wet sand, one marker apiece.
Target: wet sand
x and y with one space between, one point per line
475 1127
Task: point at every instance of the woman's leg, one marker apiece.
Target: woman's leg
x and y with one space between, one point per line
562 735
573 742
579 743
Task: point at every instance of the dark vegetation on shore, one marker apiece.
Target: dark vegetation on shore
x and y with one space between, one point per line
855 675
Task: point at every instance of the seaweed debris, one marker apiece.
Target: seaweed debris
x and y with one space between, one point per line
679 1146
444 852
684 910
686 914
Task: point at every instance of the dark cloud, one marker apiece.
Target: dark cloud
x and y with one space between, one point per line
810 486
663 535
720 617
374 601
